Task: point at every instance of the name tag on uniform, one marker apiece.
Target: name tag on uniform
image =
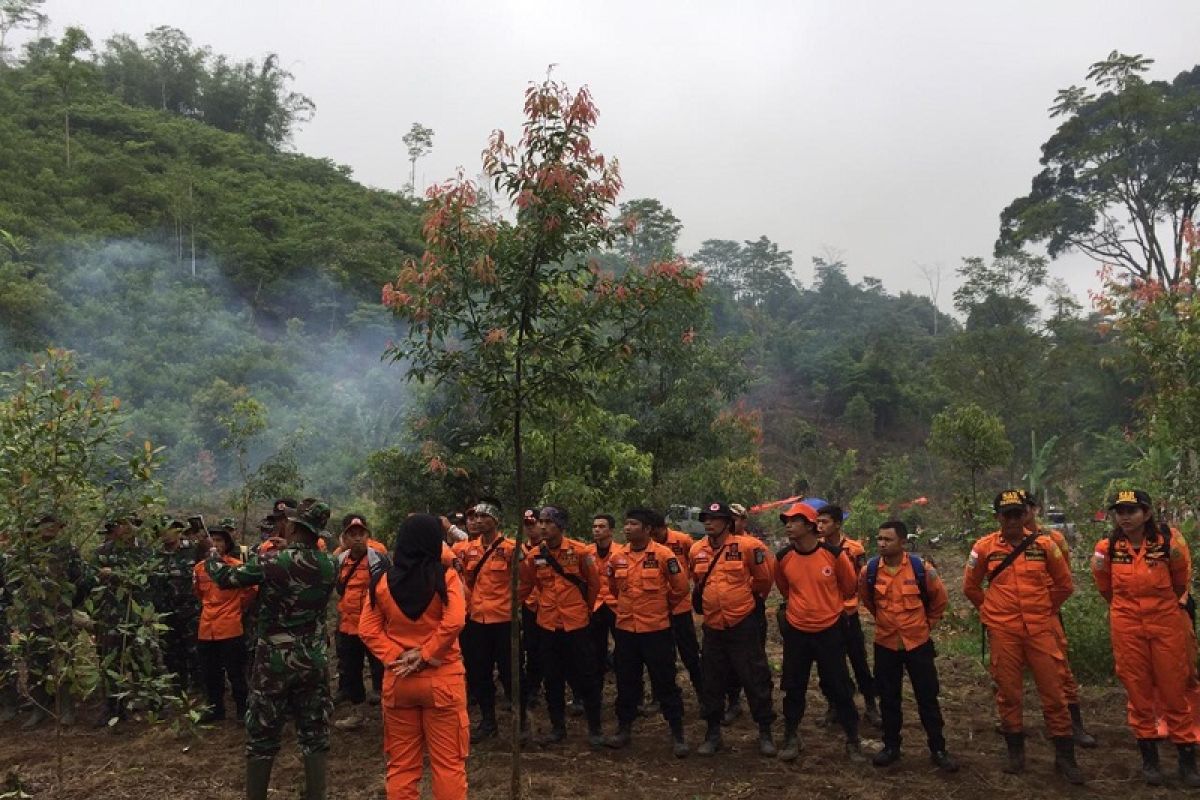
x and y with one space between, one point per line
539 561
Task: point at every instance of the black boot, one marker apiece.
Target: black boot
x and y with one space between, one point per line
1151 773
1064 760
712 740
314 775
1015 764
1187 766
1080 734
766 742
621 738
258 777
486 728
678 742
791 742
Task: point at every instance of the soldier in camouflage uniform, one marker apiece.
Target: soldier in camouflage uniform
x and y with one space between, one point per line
175 559
290 676
117 563
331 541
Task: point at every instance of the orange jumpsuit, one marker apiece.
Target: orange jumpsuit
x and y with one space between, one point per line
425 711
356 577
1152 638
1070 685
1020 611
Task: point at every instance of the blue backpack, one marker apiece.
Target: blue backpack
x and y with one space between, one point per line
918 567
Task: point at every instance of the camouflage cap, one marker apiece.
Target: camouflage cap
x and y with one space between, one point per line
228 523
309 518
318 510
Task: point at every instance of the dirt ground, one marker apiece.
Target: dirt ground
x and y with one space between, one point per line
150 762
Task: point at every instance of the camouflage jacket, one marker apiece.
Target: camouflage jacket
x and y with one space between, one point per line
63 585
130 570
172 581
295 583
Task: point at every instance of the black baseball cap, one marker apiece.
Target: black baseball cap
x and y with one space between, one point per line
716 511
1130 497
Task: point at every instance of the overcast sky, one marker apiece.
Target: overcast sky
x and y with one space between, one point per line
892 132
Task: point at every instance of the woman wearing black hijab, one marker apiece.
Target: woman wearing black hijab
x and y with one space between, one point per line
411 623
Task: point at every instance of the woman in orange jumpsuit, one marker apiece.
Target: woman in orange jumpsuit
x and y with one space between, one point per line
219 643
1143 569
411 622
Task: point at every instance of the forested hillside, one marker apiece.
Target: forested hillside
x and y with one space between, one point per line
155 222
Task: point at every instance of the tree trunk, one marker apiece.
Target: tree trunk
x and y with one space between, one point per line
67 129
514 791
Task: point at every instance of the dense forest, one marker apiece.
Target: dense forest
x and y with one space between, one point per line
154 221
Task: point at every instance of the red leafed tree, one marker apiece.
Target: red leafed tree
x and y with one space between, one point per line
514 308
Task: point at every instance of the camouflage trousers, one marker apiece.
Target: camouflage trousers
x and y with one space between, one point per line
289 681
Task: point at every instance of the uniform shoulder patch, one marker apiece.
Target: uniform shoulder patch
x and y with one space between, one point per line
760 555
673 566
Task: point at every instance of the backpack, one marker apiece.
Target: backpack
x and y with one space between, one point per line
918 567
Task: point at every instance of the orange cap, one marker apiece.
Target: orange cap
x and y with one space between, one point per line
799 510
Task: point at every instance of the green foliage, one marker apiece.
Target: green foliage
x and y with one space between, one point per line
891 484
972 438
1121 177
67 453
1085 618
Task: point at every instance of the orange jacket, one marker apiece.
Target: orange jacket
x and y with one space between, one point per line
353 581
561 604
901 619
815 586
742 574
1142 584
681 545
857 554
220 609
1055 535
1027 595
604 597
646 584
388 633
489 596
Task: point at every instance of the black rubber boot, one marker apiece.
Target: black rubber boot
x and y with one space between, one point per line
621 738
1078 732
315 765
258 777
791 743
1015 764
678 743
766 742
486 729
1151 773
712 740
1064 760
1187 766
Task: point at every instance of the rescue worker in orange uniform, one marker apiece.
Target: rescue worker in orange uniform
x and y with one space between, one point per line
907 598
531 643
815 579
1028 580
459 548
1144 571
604 615
647 580
733 705
220 645
1070 685
411 621
564 572
829 526
488 562
729 572
362 559
683 622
